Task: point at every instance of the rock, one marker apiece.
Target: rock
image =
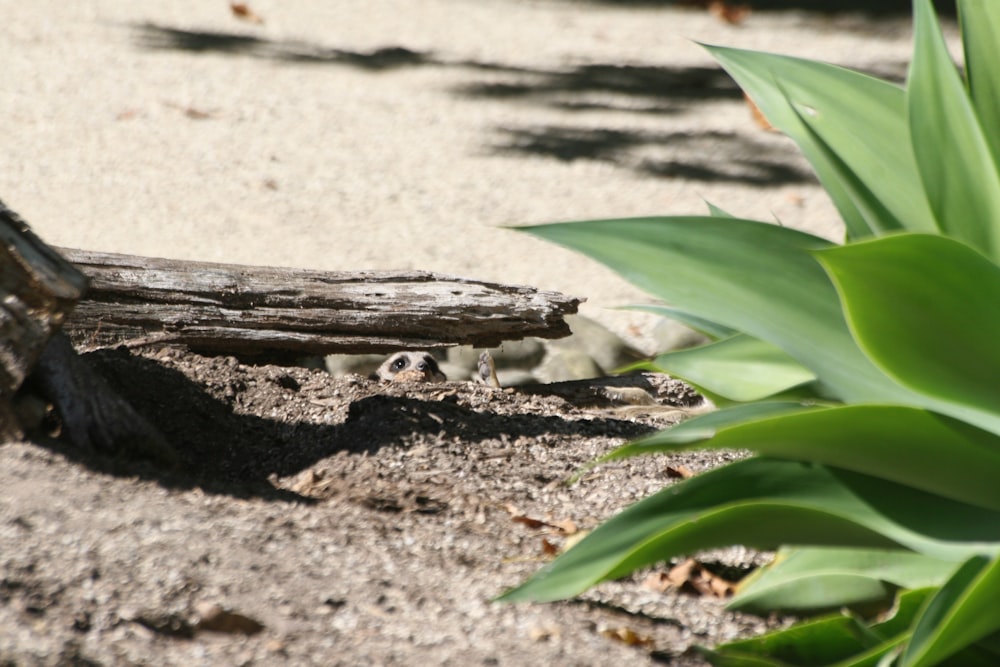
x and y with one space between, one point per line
672 335
339 365
592 351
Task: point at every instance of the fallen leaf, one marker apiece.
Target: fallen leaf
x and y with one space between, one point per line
242 11
529 522
730 13
627 636
193 112
128 114
564 526
658 581
548 548
679 472
544 633
692 577
758 115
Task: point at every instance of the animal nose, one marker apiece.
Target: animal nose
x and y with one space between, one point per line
422 365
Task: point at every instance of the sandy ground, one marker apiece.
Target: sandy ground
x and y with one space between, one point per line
387 134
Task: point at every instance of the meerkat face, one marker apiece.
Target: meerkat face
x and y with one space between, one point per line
410 367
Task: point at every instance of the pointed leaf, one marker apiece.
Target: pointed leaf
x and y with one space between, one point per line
962 612
717 212
980 21
881 639
864 171
739 368
863 117
953 156
906 445
924 309
757 278
763 503
822 641
809 579
701 428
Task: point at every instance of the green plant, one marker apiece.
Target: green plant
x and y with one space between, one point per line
863 376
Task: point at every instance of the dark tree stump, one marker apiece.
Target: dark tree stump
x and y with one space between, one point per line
38 289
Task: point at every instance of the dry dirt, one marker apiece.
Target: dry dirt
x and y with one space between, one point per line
340 521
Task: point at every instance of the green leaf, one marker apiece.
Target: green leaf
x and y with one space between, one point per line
762 503
822 641
710 329
740 368
906 445
924 309
980 21
751 276
962 612
862 117
837 638
717 212
806 580
877 216
953 155
702 427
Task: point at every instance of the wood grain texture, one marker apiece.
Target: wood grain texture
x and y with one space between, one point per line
234 309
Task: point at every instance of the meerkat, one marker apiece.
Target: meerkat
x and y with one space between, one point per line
410 367
487 370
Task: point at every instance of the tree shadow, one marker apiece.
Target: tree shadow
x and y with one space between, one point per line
628 88
703 156
151 36
573 88
867 7
226 448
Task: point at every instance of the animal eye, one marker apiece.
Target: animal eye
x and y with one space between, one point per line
400 363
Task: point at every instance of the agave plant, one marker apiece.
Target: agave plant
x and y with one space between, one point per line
863 376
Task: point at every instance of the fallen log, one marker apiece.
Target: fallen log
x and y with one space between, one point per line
250 310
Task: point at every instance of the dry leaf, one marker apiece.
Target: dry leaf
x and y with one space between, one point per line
193 112
690 577
242 11
564 526
658 582
544 633
548 548
128 114
730 13
757 115
627 636
529 522
679 472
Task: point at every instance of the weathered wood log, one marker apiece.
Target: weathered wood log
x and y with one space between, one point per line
248 310
38 288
